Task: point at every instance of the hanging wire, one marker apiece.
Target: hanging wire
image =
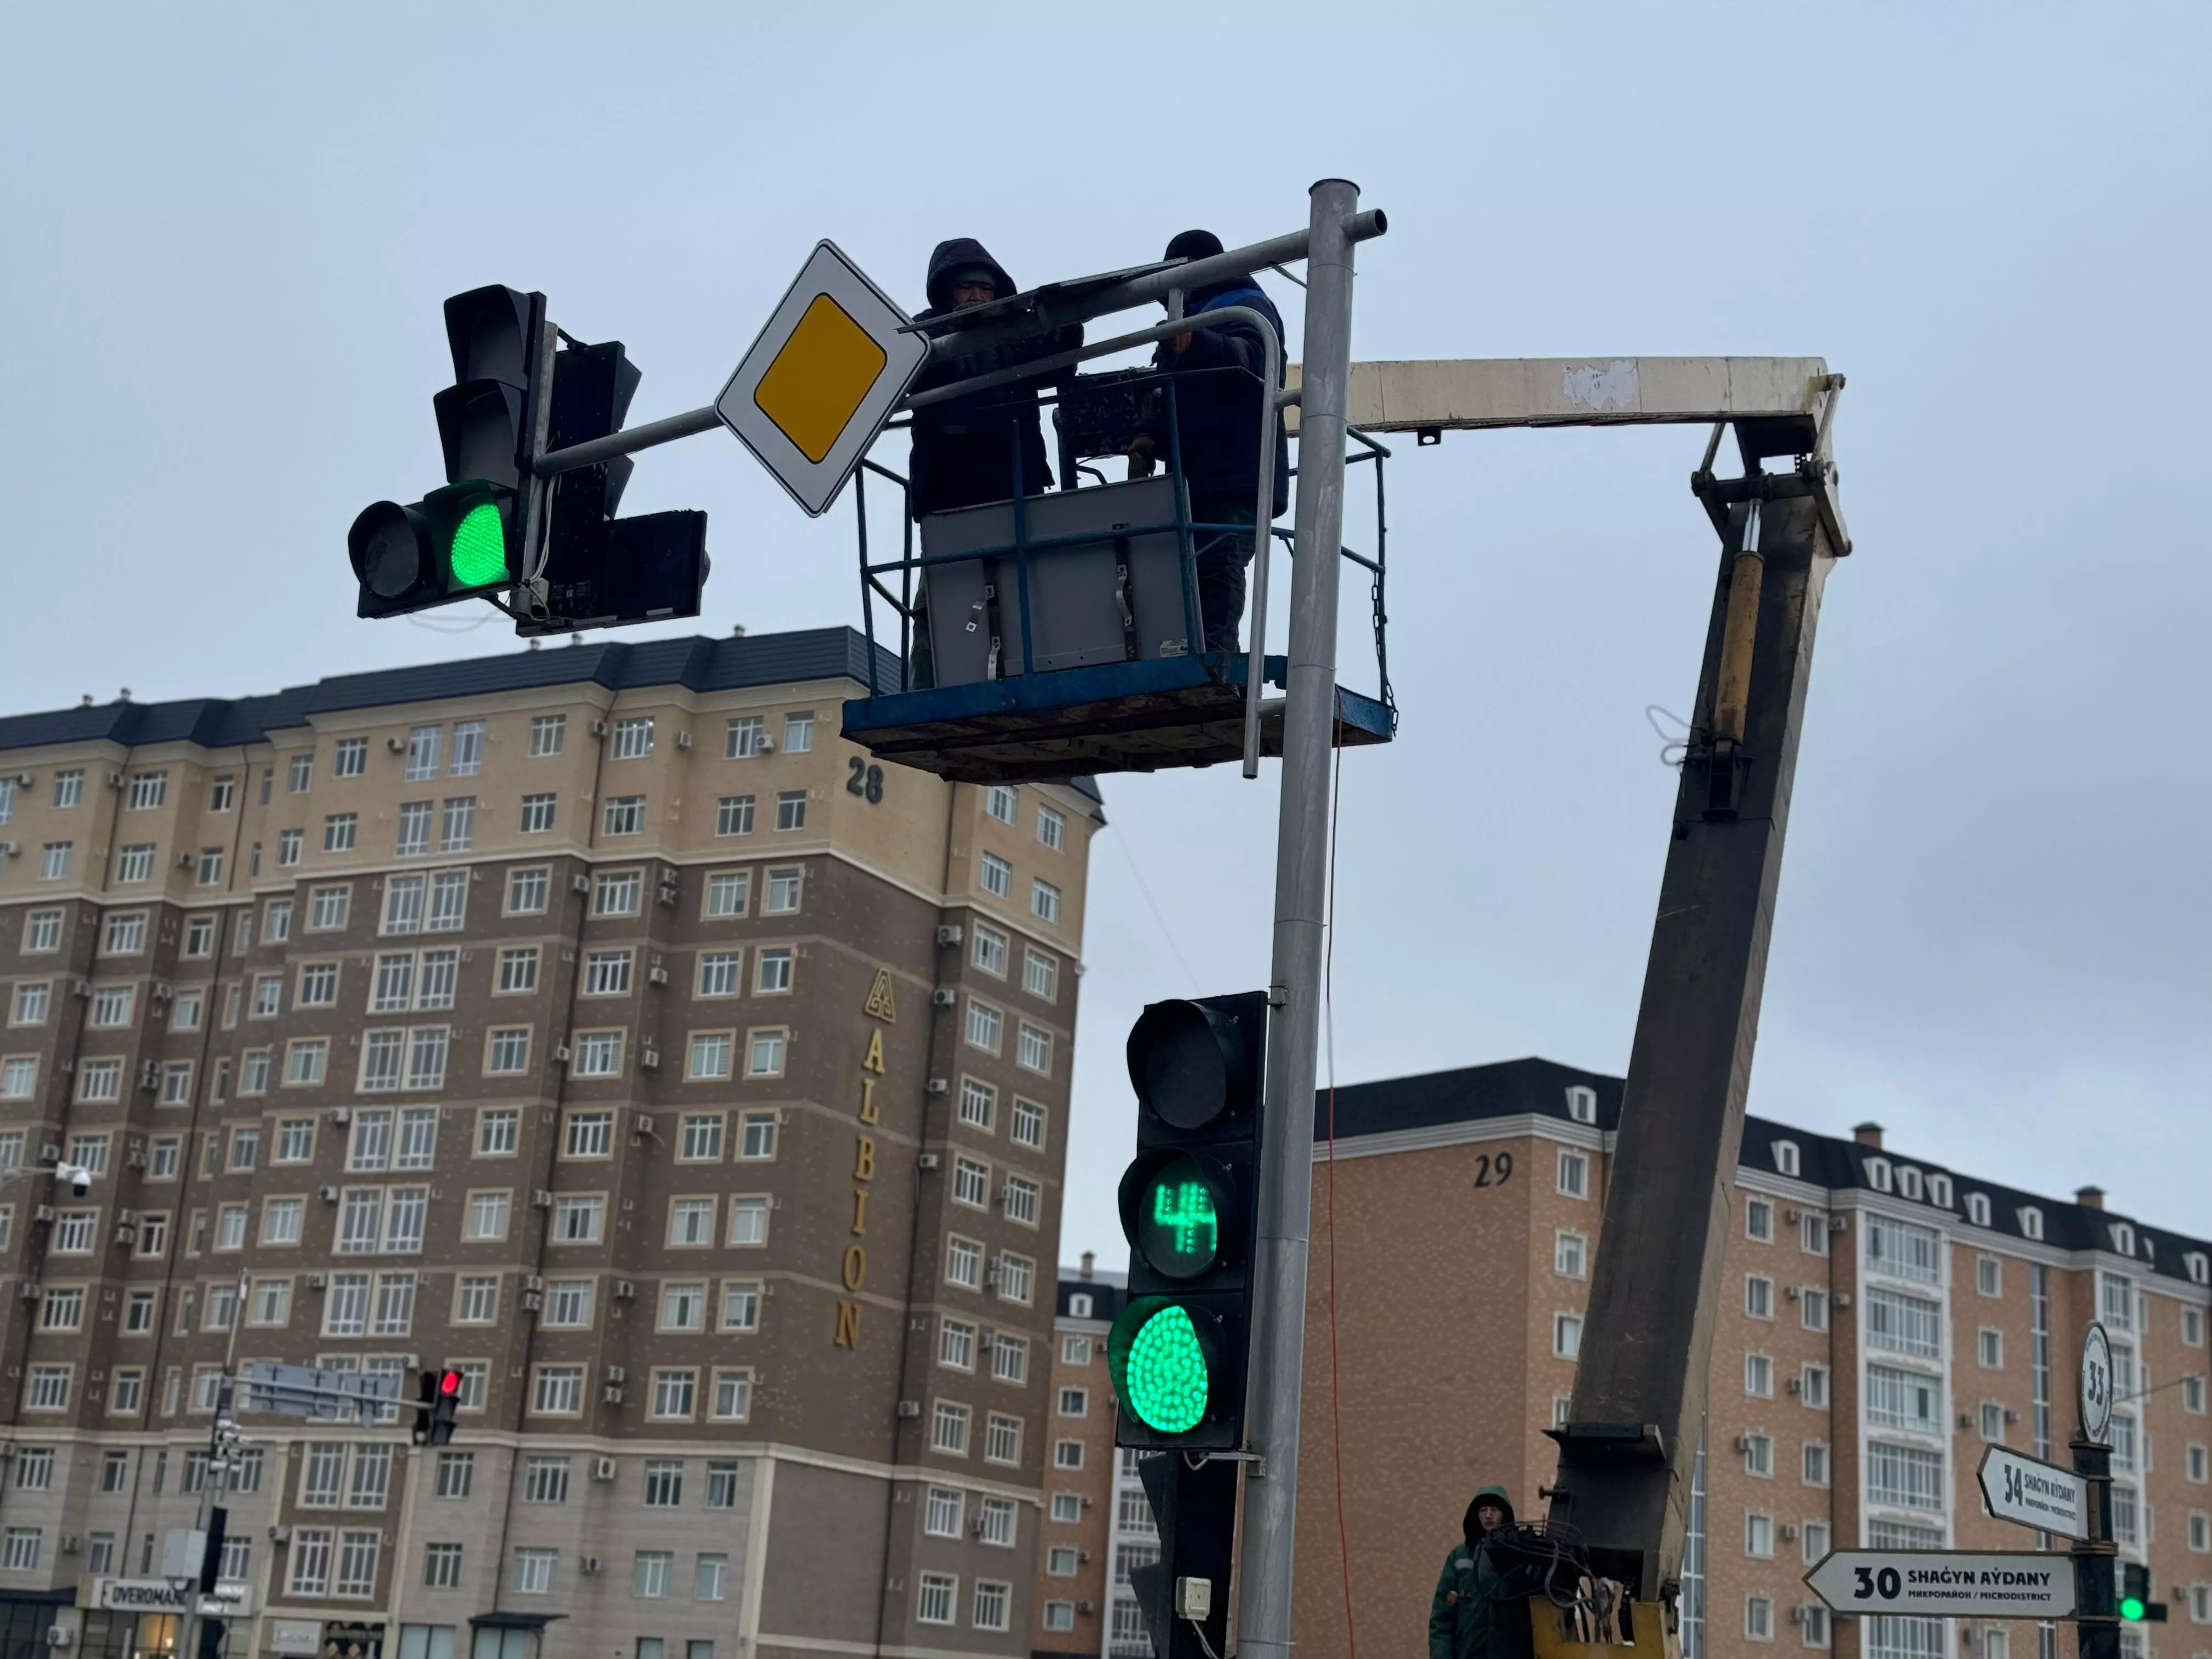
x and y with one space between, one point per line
1672 749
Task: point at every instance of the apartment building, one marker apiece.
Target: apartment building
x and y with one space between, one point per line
595 1020
1883 1319
1088 1519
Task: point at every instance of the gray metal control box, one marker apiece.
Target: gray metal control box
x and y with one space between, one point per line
1114 596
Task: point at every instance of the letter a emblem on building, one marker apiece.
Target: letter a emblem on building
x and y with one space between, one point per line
880 1005
827 372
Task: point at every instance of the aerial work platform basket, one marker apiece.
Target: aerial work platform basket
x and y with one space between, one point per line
1059 634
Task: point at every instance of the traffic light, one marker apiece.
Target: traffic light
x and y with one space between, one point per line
601 571
437 1398
466 540
2136 1606
1177 1352
1184 1595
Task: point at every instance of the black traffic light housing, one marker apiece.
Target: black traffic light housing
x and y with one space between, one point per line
1189 1205
601 571
516 396
466 540
2136 1606
1196 1512
437 1398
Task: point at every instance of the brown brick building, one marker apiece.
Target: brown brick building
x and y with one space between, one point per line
593 1019
1883 1319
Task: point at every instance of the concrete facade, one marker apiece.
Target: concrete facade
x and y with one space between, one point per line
595 1020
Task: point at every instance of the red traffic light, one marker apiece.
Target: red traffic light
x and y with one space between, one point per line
449 1381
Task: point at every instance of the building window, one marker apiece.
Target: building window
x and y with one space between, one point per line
1758 1220
1758 1451
1758 1296
1044 901
726 892
978 1103
1759 1375
1567 1335
624 815
547 734
1813 1386
1758 1535
741 736
617 893
933 1598
782 892
1904 1475
1813 1308
1897 1323
1040 975
1570 1254
748 1221
1816 1464
1759 1618
734 815
533 1572
999 802
1989 1276
1067 1454
948 1430
441 1566
993 1601
772 970
990 950
1903 1249
537 813
997 876
1052 828
985 1023
764 1053
1574 1175
1002 1439
634 736
791 808
1988 1348
1029 1124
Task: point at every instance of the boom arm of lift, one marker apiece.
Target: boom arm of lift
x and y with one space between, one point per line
1628 1449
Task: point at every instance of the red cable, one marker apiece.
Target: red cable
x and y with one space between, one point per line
1329 995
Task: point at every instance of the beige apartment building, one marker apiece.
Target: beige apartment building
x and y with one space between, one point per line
595 1020
1884 1320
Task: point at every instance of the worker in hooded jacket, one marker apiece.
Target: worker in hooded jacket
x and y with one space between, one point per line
964 452
1481 1610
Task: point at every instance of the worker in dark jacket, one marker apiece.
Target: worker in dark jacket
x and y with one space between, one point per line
964 449
1481 1610
1220 371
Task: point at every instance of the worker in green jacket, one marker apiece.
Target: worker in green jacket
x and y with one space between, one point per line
1481 1605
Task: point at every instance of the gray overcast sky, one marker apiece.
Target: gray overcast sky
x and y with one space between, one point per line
227 231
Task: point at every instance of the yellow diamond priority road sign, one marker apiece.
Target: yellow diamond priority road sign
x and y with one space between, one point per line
822 379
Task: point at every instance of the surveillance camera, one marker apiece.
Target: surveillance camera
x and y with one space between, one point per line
81 1183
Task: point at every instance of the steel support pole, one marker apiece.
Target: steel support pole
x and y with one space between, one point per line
2096 1558
1278 1368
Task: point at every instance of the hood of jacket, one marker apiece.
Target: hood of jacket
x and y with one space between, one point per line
948 256
1472 1527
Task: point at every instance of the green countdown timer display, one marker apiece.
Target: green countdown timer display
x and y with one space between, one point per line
1178 1214
1162 1368
478 555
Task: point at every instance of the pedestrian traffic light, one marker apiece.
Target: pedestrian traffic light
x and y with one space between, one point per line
2136 1606
601 571
438 1397
1189 1203
466 540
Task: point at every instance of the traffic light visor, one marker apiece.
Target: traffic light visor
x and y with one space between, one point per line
1164 1362
1188 1063
1179 1212
390 546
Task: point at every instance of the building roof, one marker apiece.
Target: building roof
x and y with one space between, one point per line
1106 1295
1534 1086
698 663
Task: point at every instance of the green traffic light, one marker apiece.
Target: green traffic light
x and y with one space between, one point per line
2132 1609
1175 1219
1166 1381
478 554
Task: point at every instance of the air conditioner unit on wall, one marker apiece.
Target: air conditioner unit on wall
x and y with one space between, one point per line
945 996
948 934
602 1469
938 1085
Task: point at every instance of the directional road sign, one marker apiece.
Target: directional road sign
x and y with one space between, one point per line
822 379
2096 1384
2012 1584
2035 1494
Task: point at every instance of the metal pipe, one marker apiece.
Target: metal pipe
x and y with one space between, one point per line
1732 686
688 424
1042 366
1155 285
1278 1353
